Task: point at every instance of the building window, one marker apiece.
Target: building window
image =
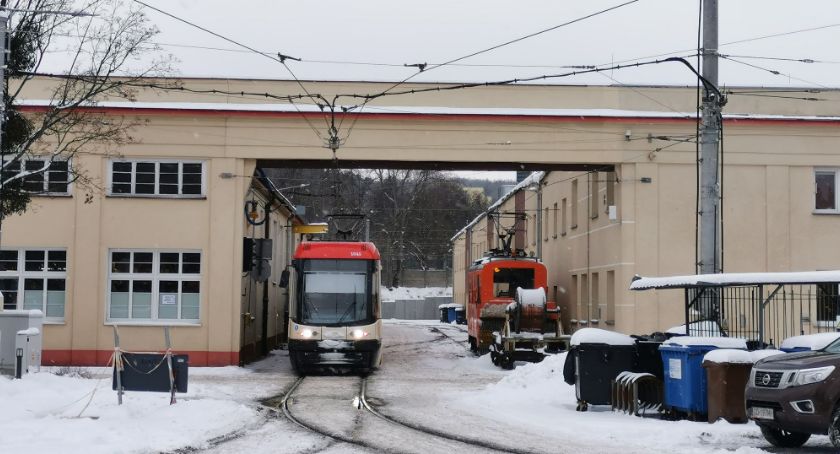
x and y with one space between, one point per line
593 195
34 279
563 206
596 299
610 196
555 216
574 203
154 285
533 230
52 178
826 190
610 297
574 304
157 178
545 224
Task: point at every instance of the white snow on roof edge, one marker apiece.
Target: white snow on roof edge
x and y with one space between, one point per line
796 277
534 177
430 110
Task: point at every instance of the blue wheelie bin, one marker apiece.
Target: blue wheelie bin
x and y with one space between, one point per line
685 379
460 316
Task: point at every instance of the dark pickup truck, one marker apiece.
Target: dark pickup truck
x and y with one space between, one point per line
794 395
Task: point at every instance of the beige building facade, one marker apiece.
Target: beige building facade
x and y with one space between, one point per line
159 241
601 228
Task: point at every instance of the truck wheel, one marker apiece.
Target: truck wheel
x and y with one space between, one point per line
784 438
473 345
834 428
506 361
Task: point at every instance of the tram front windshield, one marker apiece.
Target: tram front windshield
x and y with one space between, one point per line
335 292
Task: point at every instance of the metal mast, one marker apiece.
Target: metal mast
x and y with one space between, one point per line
710 194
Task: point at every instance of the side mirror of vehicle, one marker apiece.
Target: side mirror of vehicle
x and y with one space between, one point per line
284 279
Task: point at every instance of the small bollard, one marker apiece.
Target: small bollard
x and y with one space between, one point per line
18 363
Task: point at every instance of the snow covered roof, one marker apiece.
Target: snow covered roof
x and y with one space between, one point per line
534 177
698 280
429 110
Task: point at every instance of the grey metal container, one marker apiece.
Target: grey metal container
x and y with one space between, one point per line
12 322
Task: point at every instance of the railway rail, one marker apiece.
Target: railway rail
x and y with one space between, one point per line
362 402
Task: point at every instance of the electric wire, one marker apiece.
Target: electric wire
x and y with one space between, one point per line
516 40
794 60
773 71
798 98
776 35
177 88
639 92
423 66
280 59
451 87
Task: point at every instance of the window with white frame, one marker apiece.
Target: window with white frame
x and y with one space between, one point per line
148 285
825 183
34 279
157 178
54 180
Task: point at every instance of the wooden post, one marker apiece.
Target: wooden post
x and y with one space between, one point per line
169 364
118 365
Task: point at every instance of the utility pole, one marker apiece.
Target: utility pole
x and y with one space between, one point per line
4 30
710 245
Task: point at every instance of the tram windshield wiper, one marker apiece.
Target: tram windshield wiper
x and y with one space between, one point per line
350 309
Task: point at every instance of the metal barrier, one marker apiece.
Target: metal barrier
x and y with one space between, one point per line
765 314
636 393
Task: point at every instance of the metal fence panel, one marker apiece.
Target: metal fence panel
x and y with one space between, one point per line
763 314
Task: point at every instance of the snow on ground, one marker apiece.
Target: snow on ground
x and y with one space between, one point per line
413 293
45 412
536 395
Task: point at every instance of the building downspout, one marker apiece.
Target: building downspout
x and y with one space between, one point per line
265 298
290 244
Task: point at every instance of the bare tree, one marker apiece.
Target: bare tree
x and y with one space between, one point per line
400 194
104 56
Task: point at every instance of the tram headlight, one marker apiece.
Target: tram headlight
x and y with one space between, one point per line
307 333
358 333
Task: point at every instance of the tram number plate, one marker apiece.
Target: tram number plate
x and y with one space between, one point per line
761 413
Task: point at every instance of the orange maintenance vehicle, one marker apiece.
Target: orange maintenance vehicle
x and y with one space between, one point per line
508 313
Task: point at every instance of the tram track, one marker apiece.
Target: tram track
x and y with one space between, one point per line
287 412
362 402
432 431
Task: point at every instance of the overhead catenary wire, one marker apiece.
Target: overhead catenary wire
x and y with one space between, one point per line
772 71
506 43
423 67
178 88
279 59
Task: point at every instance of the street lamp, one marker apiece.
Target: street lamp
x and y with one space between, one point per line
300 186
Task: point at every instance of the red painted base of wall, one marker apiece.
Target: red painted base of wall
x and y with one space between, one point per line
103 357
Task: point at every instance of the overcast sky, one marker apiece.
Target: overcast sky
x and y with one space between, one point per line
372 39
434 31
